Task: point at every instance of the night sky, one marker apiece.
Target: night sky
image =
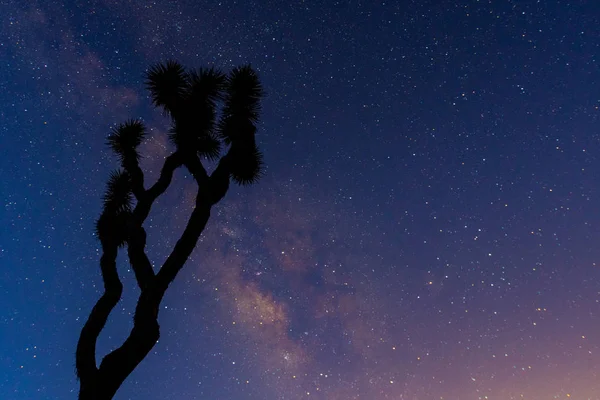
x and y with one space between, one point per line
428 225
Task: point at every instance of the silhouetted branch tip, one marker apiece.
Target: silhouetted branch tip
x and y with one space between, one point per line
206 85
242 105
118 196
246 163
193 129
167 83
126 137
244 82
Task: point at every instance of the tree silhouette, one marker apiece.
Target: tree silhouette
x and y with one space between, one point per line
192 99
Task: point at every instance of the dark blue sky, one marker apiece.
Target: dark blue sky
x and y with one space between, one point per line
427 227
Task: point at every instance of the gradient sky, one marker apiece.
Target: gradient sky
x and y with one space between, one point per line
428 226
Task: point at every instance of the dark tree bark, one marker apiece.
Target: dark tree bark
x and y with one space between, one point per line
191 99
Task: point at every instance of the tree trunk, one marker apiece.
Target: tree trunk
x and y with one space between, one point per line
121 362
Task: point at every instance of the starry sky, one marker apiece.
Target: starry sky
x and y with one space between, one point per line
427 226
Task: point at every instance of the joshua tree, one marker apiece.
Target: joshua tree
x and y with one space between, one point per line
191 99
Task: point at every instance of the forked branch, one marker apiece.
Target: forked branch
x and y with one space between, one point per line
85 357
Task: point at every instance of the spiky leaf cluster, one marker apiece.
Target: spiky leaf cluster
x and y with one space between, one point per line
246 162
192 99
117 200
194 126
118 197
205 87
242 104
126 137
167 82
205 91
237 126
112 229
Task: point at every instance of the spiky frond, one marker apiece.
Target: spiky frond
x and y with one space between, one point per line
167 83
118 197
243 92
112 228
246 162
126 137
209 146
206 87
193 127
186 139
205 90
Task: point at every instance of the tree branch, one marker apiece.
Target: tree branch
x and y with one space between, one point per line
172 162
131 165
193 164
214 190
85 356
136 241
142 268
184 246
120 363
219 180
142 209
